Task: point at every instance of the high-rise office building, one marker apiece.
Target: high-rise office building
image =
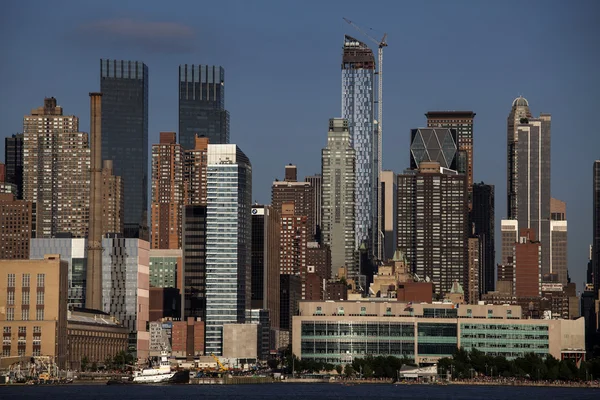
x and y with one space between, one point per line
17 224
266 233
300 193
124 87
166 269
473 276
433 224
558 241
294 237
509 229
318 260
13 157
482 220
338 170
433 144
527 265
388 207
596 228
167 192
228 240
74 253
202 104
194 262
462 121
56 165
519 112
316 181
113 207
195 164
125 267
533 181
358 108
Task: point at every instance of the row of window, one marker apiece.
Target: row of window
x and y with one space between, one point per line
10 314
11 280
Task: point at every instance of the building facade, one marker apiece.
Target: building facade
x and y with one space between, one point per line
266 239
113 206
74 253
13 158
338 169
166 268
300 193
290 287
358 108
125 288
168 192
124 87
56 164
595 259
194 262
462 121
202 104
432 224
527 265
17 226
195 164
434 145
519 112
188 338
558 241
482 218
474 270
94 335
228 241
388 206
33 310
340 331
318 256
316 182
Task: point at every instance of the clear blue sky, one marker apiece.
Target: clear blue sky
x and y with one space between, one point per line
282 70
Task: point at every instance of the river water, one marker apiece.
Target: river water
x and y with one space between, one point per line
294 391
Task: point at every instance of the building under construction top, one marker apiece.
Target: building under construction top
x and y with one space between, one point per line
357 55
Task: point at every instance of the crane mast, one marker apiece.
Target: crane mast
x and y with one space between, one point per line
380 44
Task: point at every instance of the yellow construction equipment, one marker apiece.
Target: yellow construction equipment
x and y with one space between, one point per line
222 368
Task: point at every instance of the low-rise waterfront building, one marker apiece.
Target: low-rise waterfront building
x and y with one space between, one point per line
339 331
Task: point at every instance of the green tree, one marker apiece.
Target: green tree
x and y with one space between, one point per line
348 370
85 361
368 372
94 367
339 369
564 372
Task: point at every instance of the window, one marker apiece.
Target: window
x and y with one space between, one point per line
23 330
41 280
25 314
10 298
40 298
26 280
11 280
25 297
37 329
39 314
10 314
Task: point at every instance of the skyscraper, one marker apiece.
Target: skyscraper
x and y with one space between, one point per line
558 241
124 85
509 229
462 121
316 181
300 193
527 265
358 98
202 104
195 164
56 164
432 224
266 233
482 219
339 178
167 192
193 303
388 207
112 200
13 157
228 240
433 144
533 181
596 228
519 112
16 227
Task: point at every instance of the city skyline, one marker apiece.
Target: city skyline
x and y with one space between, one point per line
404 107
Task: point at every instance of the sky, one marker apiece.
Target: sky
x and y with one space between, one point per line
283 82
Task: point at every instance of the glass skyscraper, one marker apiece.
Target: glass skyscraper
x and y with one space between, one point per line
228 241
124 87
358 99
202 105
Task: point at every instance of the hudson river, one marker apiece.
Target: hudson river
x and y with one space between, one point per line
293 391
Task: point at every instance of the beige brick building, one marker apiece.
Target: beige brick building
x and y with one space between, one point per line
33 309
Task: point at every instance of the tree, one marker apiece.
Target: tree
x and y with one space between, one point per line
273 363
368 371
339 369
348 370
94 367
85 361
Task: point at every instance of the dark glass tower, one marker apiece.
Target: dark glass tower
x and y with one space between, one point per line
202 105
13 156
194 262
482 219
124 87
596 229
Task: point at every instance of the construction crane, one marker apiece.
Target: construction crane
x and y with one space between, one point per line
222 368
380 44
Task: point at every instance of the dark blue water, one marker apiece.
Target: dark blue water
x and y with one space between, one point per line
293 391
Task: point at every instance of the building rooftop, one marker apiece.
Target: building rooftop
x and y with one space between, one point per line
520 101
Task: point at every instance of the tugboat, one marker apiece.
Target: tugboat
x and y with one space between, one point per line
159 374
